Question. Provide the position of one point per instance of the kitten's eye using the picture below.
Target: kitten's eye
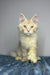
(24, 26)
(32, 26)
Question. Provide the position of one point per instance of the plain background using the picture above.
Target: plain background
(9, 19)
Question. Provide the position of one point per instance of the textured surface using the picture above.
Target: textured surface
(9, 66)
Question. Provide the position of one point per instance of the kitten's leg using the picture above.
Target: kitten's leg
(32, 55)
(19, 54)
(24, 54)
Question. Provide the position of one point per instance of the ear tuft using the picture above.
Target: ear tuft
(22, 17)
(35, 19)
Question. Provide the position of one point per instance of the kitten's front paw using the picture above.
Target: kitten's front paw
(34, 60)
(24, 60)
(18, 58)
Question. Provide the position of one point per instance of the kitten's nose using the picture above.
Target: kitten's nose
(28, 30)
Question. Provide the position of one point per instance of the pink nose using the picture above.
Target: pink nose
(28, 30)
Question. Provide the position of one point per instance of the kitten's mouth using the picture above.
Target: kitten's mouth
(27, 33)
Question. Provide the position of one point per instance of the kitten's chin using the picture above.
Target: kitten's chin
(28, 34)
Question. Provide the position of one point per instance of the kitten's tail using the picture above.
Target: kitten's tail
(12, 53)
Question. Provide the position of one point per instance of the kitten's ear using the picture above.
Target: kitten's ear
(22, 18)
(35, 19)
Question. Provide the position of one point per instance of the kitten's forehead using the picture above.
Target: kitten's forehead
(28, 22)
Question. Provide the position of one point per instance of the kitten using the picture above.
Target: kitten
(28, 39)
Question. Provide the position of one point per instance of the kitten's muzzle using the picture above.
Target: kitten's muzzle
(27, 30)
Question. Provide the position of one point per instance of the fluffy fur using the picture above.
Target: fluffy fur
(28, 39)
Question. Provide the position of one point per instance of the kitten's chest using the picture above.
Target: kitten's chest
(28, 41)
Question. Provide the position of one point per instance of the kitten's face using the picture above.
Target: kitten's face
(28, 26)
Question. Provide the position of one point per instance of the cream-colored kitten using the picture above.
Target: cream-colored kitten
(28, 39)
